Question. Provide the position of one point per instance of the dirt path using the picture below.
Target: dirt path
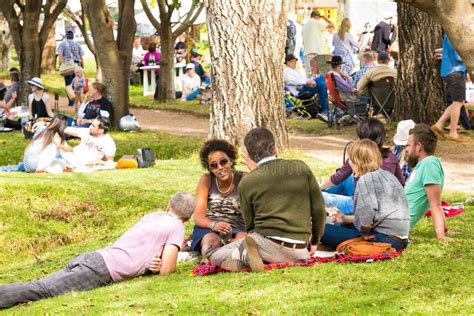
(457, 158)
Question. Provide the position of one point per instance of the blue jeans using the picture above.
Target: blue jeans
(346, 187)
(337, 233)
(321, 90)
(343, 203)
(193, 95)
(13, 168)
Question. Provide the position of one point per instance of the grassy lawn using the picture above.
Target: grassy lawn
(45, 220)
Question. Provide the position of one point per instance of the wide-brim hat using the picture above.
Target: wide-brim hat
(190, 66)
(403, 129)
(335, 61)
(36, 82)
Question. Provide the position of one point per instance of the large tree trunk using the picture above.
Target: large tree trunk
(419, 92)
(114, 56)
(455, 17)
(48, 61)
(166, 90)
(247, 42)
(5, 43)
(28, 36)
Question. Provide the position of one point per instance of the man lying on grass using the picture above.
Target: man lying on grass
(150, 246)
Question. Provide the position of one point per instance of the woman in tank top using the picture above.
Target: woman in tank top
(217, 215)
(37, 100)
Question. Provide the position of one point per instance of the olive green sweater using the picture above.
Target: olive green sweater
(282, 198)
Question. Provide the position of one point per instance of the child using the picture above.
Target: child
(78, 85)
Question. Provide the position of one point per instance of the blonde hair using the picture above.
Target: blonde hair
(78, 68)
(364, 156)
(344, 28)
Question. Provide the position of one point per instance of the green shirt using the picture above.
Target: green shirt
(428, 171)
(282, 198)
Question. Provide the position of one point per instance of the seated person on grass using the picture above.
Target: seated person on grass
(96, 147)
(339, 188)
(150, 246)
(41, 155)
(294, 80)
(425, 183)
(97, 105)
(281, 205)
(380, 204)
(217, 214)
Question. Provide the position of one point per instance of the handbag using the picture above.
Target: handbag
(145, 158)
(67, 68)
(362, 246)
(70, 92)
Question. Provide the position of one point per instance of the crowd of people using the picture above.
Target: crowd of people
(274, 212)
(376, 54)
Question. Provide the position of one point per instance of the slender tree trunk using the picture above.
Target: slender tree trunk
(419, 93)
(114, 55)
(48, 61)
(247, 42)
(167, 71)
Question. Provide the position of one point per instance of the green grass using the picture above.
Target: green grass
(45, 220)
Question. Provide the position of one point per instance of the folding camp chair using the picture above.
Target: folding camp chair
(382, 93)
(356, 111)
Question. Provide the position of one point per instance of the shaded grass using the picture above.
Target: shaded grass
(45, 220)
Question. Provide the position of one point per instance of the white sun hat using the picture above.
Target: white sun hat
(403, 127)
(35, 81)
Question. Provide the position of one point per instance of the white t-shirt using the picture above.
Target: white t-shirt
(190, 84)
(313, 36)
(293, 79)
(92, 149)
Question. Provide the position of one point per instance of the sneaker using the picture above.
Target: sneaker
(252, 258)
(233, 265)
(324, 117)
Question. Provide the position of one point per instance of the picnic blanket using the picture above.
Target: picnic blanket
(449, 211)
(208, 268)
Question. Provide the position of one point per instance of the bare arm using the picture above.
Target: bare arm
(329, 22)
(47, 105)
(72, 131)
(326, 184)
(168, 259)
(433, 193)
(60, 58)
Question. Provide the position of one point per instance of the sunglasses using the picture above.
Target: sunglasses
(221, 163)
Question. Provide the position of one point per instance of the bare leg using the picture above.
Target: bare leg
(210, 242)
(455, 112)
(238, 236)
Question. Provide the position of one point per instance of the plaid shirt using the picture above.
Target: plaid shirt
(70, 50)
(361, 72)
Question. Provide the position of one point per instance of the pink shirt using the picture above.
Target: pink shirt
(129, 256)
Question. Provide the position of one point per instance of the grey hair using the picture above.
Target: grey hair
(183, 204)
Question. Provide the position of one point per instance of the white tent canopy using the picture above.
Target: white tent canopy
(372, 11)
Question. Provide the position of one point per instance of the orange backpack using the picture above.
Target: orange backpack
(362, 246)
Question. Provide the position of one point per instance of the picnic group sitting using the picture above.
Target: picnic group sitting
(272, 214)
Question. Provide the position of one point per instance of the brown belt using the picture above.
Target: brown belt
(289, 244)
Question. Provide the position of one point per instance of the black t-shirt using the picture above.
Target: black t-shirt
(94, 107)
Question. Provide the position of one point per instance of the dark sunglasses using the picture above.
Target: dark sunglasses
(222, 163)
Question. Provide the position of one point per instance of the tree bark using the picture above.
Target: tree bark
(29, 38)
(455, 17)
(247, 45)
(114, 55)
(166, 89)
(48, 59)
(419, 92)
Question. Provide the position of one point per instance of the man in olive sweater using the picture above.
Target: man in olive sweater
(282, 207)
